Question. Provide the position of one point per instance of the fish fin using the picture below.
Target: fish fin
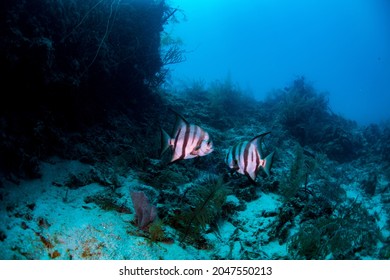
(173, 161)
(260, 136)
(179, 116)
(268, 163)
(258, 143)
(165, 138)
(235, 166)
(251, 177)
(180, 121)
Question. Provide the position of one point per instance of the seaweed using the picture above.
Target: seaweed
(205, 206)
(369, 184)
(306, 243)
(384, 253)
(73, 63)
(349, 233)
(305, 114)
(303, 165)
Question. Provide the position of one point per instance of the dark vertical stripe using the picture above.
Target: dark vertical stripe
(236, 152)
(233, 151)
(227, 156)
(246, 155)
(195, 135)
(257, 162)
(176, 139)
(185, 141)
(242, 154)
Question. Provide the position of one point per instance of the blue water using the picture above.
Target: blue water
(341, 47)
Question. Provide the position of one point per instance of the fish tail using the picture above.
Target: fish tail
(268, 163)
(165, 138)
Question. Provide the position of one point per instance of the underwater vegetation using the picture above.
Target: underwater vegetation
(67, 65)
(90, 74)
(203, 207)
(306, 115)
(349, 231)
(145, 212)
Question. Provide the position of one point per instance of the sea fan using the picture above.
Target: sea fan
(145, 212)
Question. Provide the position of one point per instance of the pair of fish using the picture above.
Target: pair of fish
(190, 141)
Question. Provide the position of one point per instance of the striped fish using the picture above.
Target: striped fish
(246, 158)
(188, 140)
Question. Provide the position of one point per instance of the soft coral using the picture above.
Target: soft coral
(145, 212)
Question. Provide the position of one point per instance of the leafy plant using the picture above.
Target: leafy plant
(90, 57)
(306, 243)
(305, 114)
(204, 206)
(349, 233)
(302, 166)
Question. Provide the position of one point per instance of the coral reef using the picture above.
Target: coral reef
(68, 65)
(70, 178)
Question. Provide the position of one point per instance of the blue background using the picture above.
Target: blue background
(340, 46)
